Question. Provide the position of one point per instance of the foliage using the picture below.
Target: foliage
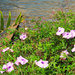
(19, 19)
(2, 21)
(9, 20)
(43, 43)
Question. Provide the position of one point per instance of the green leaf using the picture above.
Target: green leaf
(21, 19)
(9, 20)
(2, 21)
(18, 18)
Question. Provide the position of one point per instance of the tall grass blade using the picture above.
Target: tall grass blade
(2, 21)
(9, 19)
(21, 19)
(18, 18)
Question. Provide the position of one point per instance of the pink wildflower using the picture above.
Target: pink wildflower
(4, 67)
(67, 35)
(60, 31)
(73, 49)
(23, 36)
(41, 63)
(21, 60)
(64, 54)
(6, 49)
(1, 72)
(8, 66)
(26, 28)
(11, 50)
(62, 57)
(73, 33)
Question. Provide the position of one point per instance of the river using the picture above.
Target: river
(33, 8)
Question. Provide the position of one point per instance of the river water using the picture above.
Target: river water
(33, 8)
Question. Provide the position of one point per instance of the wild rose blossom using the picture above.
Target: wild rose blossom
(23, 36)
(64, 54)
(21, 60)
(67, 35)
(60, 31)
(73, 49)
(41, 63)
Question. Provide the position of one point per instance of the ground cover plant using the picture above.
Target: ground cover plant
(47, 49)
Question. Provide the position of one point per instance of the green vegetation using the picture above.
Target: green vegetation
(42, 43)
(9, 20)
(2, 21)
(17, 21)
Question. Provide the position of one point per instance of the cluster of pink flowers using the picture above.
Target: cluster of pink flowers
(65, 53)
(9, 67)
(20, 60)
(66, 35)
(23, 36)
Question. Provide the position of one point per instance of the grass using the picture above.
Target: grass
(42, 43)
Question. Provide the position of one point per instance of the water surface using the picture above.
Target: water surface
(34, 8)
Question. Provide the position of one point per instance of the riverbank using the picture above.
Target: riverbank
(47, 49)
